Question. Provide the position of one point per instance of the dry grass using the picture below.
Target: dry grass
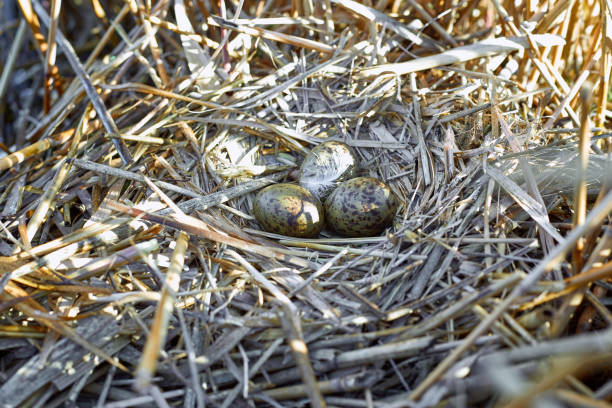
(136, 134)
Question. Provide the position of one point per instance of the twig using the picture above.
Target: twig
(157, 336)
(105, 117)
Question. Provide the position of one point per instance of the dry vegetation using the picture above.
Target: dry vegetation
(135, 135)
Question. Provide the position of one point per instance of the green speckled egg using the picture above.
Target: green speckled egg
(289, 209)
(326, 166)
(361, 207)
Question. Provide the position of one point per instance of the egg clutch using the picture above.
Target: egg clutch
(354, 206)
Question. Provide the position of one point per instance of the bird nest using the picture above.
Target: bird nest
(135, 136)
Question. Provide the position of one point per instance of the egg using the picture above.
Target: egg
(327, 165)
(289, 209)
(361, 207)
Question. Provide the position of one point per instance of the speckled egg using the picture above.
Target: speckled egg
(361, 207)
(289, 209)
(326, 166)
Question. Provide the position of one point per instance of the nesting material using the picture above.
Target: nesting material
(135, 138)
